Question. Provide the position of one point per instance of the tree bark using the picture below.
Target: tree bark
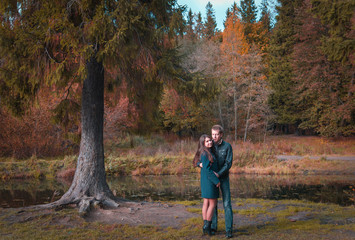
(220, 111)
(89, 185)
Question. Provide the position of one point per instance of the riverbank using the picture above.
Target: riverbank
(279, 155)
(175, 165)
(253, 219)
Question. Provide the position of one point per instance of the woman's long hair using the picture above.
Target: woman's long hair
(202, 148)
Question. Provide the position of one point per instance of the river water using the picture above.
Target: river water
(327, 189)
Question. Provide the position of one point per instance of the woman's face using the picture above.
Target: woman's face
(208, 142)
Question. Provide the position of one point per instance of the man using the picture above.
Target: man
(224, 156)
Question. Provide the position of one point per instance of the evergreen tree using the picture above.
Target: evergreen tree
(282, 98)
(311, 81)
(339, 45)
(265, 16)
(210, 23)
(199, 29)
(190, 34)
(323, 69)
(63, 43)
(248, 12)
(263, 27)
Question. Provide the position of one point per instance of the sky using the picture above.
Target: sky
(220, 7)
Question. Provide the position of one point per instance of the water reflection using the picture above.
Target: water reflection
(329, 189)
(21, 193)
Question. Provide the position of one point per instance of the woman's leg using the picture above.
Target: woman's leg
(205, 208)
(210, 210)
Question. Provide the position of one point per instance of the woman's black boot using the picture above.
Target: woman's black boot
(204, 229)
(209, 232)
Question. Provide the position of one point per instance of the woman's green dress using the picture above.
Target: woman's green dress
(208, 179)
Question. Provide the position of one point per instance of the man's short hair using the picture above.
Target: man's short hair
(218, 128)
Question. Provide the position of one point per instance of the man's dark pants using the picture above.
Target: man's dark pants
(227, 204)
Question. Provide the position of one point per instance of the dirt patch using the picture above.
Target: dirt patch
(143, 213)
(131, 213)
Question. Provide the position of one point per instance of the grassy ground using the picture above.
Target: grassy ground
(253, 219)
(158, 156)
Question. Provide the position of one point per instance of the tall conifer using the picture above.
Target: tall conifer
(265, 16)
(280, 70)
(210, 24)
(190, 34)
(248, 12)
(73, 42)
(199, 29)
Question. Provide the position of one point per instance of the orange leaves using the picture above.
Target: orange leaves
(119, 118)
(172, 103)
(35, 134)
(180, 113)
(234, 41)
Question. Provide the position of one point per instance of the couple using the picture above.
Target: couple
(215, 159)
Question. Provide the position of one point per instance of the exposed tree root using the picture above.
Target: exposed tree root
(83, 203)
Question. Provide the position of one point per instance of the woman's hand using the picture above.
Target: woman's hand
(200, 165)
(216, 174)
(218, 184)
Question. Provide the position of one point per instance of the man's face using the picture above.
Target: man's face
(216, 136)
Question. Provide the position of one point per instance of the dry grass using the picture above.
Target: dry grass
(311, 145)
(157, 155)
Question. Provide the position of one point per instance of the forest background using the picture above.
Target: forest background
(266, 73)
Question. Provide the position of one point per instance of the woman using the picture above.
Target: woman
(209, 181)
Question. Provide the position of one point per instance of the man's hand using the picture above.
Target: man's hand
(216, 174)
(218, 184)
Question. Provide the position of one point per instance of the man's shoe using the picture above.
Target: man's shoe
(213, 231)
(229, 234)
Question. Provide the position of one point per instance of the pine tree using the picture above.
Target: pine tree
(199, 29)
(282, 98)
(265, 16)
(311, 80)
(210, 23)
(323, 75)
(61, 43)
(190, 34)
(248, 12)
(339, 45)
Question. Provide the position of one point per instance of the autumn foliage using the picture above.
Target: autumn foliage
(290, 73)
(35, 133)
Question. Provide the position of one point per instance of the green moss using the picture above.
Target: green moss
(194, 210)
(290, 211)
(253, 211)
(187, 202)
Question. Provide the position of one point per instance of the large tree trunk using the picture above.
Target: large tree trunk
(89, 184)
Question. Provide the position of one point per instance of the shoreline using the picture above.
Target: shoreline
(178, 165)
